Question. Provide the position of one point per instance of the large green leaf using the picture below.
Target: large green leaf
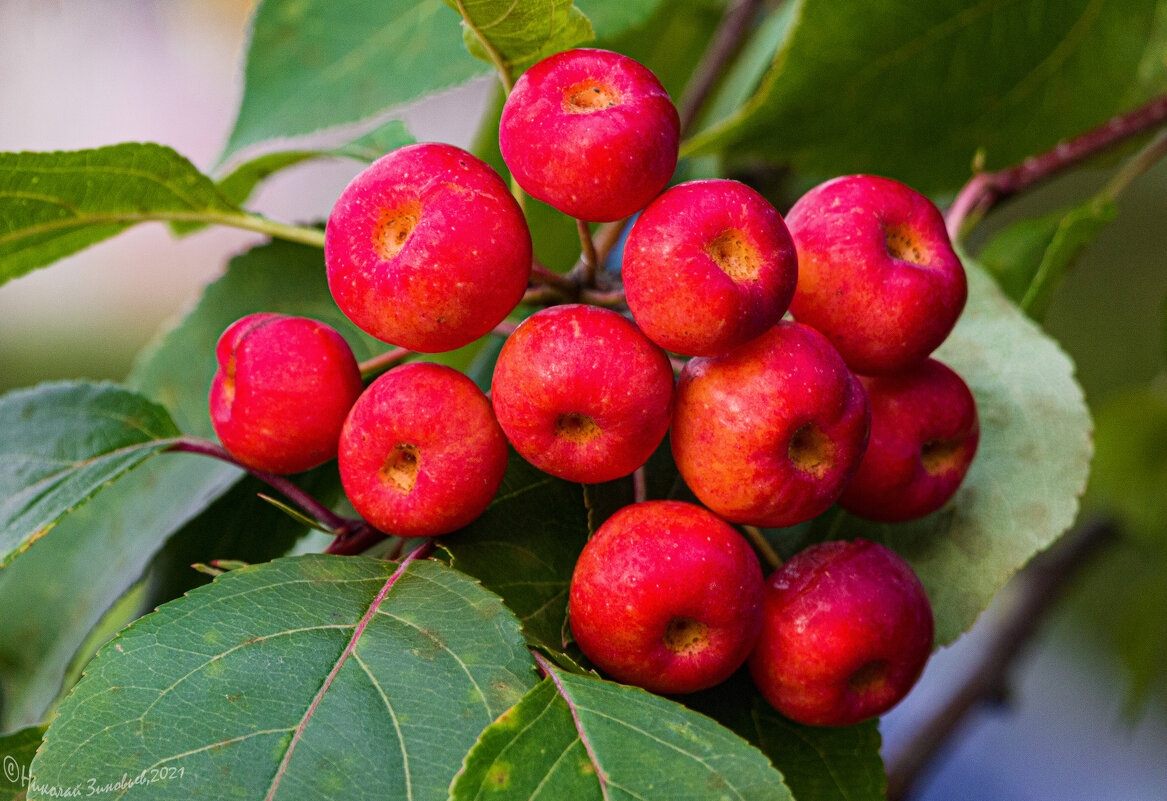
(914, 89)
(580, 737)
(520, 32)
(1022, 490)
(17, 750)
(311, 677)
(524, 547)
(54, 204)
(60, 444)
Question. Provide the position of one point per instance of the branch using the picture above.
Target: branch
(1040, 584)
(381, 363)
(732, 29)
(986, 189)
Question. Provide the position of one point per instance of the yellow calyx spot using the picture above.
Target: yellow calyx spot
(576, 427)
(902, 245)
(589, 96)
(734, 256)
(811, 451)
(394, 228)
(684, 635)
(870, 676)
(400, 469)
(940, 455)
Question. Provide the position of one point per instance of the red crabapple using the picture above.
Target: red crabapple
(924, 433)
(426, 249)
(708, 266)
(590, 132)
(846, 631)
(876, 271)
(281, 391)
(770, 433)
(582, 394)
(666, 596)
(421, 453)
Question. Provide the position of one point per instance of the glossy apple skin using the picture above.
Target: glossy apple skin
(708, 266)
(281, 391)
(427, 249)
(770, 433)
(591, 133)
(924, 435)
(846, 631)
(582, 394)
(421, 453)
(882, 312)
(666, 596)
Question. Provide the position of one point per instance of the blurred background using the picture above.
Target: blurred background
(85, 74)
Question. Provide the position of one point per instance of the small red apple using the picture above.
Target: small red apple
(666, 596)
(770, 433)
(426, 249)
(708, 266)
(590, 132)
(582, 394)
(281, 392)
(924, 434)
(421, 453)
(876, 271)
(847, 629)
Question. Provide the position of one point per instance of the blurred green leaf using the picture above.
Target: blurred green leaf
(18, 749)
(520, 32)
(913, 89)
(613, 17)
(580, 737)
(60, 444)
(329, 677)
(54, 204)
(1021, 492)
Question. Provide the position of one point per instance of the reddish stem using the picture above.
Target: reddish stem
(378, 364)
(986, 189)
(588, 256)
(732, 29)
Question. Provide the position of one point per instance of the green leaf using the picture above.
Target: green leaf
(1030, 257)
(60, 444)
(517, 33)
(613, 17)
(17, 750)
(913, 89)
(325, 677)
(1022, 490)
(54, 204)
(582, 738)
(524, 548)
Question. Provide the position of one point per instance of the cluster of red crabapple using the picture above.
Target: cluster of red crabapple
(771, 421)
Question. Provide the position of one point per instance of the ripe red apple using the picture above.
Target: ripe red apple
(708, 266)
(590, 132)
(846, 631)
(582, 394)
(770, 433)
(876, 271)
(281, 391)
(426, 249)
(666, 596)
(421, 453)
(924, 434)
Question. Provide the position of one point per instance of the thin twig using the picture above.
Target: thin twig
(588, 257)
(732, 29)
(986, 189)
(541, 275)
(381, 363)
(1145, 159)
(759, 541)
(355, 540)
(1040, 584)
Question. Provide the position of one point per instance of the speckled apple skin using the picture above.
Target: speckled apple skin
(461, 451)
(926, 404)
(581, 359)
(281, 391)
(598, 166)
(653, 562)
(464, 266)
(679, 296)
(882, 313)
(735, 416)
(828, 612)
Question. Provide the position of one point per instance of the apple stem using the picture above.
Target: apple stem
(541, 275)
(986, 189)
(763, 546)
(373, 367)
(735, 24)
(314, 509)
(588, 256)
(639, 485)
